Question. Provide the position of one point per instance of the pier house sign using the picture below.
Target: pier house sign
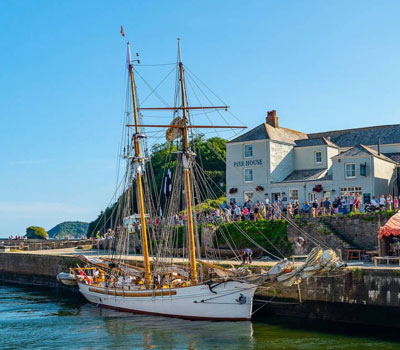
(247, 162)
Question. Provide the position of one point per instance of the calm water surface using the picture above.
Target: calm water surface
(37, 319)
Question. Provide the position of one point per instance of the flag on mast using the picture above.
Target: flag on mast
(128, 56)
(168, 184)
(122, 31)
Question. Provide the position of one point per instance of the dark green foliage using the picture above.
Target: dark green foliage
(274, 230)
(36, 232)
(68, 229)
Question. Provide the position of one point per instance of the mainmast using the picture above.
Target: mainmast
(186, 155)
(138, 162)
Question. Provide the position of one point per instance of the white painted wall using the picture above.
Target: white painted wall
(304, 157)
(236, 163)
(281, 162)
(384, 174)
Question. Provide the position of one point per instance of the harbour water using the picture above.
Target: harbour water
(32, 318)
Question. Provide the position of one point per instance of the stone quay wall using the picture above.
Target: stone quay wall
(42, 244)
(35, 269)
(338, 232)
(364, 296)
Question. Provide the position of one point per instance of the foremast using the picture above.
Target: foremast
(187, 154)
(138, 163)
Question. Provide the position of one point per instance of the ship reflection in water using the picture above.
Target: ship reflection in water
(34, 318)
(171, 333)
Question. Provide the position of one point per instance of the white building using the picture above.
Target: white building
(273, 162)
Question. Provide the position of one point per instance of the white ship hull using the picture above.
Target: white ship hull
(231, 301)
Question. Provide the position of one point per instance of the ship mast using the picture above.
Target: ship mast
(186, 165)
(138, 162)
(187, 155)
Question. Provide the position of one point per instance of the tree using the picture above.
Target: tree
(36, 232)
(210, 155)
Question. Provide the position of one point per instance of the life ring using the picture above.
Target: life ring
(300, 241)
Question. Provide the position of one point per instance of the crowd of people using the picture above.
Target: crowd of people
(255, 211)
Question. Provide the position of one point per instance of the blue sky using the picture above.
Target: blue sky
(322, 65)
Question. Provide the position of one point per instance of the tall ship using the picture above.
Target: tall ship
(176, 276)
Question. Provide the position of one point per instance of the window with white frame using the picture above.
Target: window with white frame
(294, 195)
(312, 197)
(318, 157)
(248, 195)
(248, 151)
(347, 191)
(248, 175)
(350, 170)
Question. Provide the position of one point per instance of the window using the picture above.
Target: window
(294, 195)
(345, 192)
(350, 170)
(248, 175)
(312, 197)
(248, 196)
(318, 157)
(248, 151)
(363, 169)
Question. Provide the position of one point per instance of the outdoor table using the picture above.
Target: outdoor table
(352, 254)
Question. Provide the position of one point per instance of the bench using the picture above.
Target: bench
(387, 258)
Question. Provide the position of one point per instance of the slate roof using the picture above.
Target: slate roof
(360, 151)
(318, 141)
(393, 156)
(265, 131)
(308, 175)
(364, 136)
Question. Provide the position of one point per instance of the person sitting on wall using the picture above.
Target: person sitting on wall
(246, 256)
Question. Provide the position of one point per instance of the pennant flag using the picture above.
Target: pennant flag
(122, 31)
(167, 184)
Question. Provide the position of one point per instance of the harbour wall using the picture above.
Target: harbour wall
(357, 295)
(368, 296)
(35, 269)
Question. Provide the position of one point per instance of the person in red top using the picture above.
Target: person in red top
(356, 204)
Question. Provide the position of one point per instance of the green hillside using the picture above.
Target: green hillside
(69, 229)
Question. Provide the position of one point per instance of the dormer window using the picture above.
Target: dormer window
(248, 151)
(318, 157)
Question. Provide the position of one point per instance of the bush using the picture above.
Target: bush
(36, 232)
(263, 232)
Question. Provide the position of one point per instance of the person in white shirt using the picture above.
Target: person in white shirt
(351, 201)
(343, 202)
(382, 202)
(389, 201)
(267, 201)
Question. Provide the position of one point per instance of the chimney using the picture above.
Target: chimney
(379, 146)
(272, 119)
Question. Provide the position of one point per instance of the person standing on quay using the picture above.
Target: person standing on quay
(356, 205)
(389, 201)
(315, 208)
(382, 202)
(351, 201)
(327, 206)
